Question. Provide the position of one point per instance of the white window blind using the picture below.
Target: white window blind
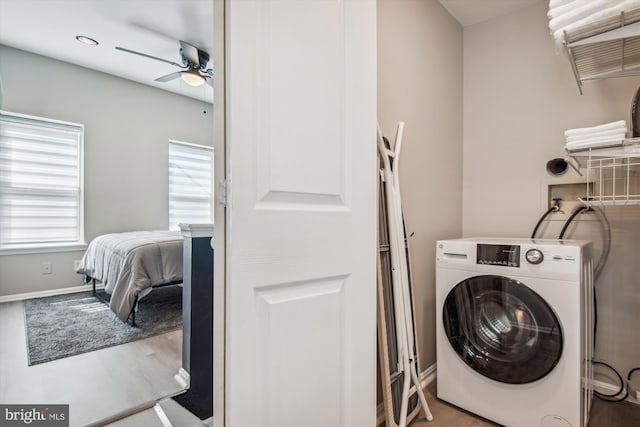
(40, 182)
(190, 176)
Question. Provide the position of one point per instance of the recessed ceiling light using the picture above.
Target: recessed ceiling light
(86, 40)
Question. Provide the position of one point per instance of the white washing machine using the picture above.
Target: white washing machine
(515, 329)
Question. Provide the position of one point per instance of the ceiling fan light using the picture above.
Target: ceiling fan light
(192, 78)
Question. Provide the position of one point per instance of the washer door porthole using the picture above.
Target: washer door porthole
(502, 329)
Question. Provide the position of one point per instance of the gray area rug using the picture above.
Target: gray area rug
(66, 325)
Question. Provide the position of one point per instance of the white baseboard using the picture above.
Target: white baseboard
(426, 377)
(608, 388)
(48, 293)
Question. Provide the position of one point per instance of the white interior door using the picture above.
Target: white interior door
(301, 221)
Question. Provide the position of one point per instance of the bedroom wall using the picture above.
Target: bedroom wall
(420, 82)
(127, 128)
(519, 98)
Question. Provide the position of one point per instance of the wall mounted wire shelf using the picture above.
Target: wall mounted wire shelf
(605, 49)
(613, 173)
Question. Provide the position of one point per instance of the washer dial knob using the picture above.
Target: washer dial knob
(534, 256)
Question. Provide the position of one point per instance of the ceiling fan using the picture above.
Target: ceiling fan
(194, 65)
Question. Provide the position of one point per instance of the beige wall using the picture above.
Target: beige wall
(420, 83)
(127, 128)
(519, 97)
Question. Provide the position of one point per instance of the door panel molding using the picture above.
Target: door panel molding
(307, 321)
(291, 115)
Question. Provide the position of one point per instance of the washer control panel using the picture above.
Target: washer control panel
(556, 259)
(503, 255)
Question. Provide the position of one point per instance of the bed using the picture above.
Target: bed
(129, 264)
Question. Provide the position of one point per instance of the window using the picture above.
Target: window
(40, 183)
(190, 176)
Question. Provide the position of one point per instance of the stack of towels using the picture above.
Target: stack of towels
(577, 15)
(605, 135)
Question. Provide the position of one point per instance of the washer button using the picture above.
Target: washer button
(534, 256)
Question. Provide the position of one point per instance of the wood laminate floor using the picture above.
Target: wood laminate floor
(96, 385)
(603, 414)
(99, 384)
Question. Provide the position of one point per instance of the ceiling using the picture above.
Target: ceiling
(154, 27)
(470, 12)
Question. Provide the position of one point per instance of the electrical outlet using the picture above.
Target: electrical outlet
(47, 268)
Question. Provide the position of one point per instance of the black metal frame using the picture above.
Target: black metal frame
(132, 315)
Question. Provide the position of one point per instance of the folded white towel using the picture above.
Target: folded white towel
(588, 141)
(593, 142)
(615, 133)
(554, 12)
(614, 10)
(600, 128)
(581, 11)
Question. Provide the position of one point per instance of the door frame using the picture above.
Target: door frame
(220, 210)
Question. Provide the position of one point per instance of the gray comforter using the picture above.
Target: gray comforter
(128, 264)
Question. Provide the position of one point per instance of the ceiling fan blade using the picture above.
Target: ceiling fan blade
(149, 56)
(169, 77)
(190, 53)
